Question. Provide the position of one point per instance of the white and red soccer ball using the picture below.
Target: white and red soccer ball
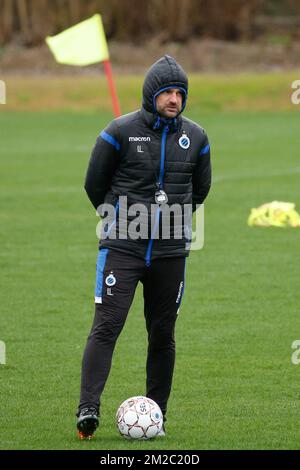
(139, 418)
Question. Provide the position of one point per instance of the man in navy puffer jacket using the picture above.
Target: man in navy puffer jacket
(153, 159)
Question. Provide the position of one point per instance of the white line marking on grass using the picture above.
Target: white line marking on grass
(271, 174)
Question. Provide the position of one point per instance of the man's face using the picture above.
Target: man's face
(169, 102)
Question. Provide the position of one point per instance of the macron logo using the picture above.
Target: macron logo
(139, 139)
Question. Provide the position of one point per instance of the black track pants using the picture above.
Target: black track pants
(117, 277)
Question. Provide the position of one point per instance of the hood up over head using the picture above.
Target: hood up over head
(163, 74)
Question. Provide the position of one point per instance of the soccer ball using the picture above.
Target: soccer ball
(139, 418)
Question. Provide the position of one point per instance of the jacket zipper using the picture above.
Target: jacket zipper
(161, 179)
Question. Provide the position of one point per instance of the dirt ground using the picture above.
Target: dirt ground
(196, 56)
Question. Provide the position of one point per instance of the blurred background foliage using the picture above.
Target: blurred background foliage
(27, 22)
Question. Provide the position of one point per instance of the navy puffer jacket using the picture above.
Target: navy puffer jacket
(140, 151)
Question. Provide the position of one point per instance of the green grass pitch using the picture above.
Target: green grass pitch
(235, 386)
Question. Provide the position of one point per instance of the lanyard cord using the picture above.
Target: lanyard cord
(167, 124)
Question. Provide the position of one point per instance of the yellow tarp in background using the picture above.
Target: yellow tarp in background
(275, 214)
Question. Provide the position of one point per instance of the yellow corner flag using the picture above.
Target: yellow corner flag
(82, 44)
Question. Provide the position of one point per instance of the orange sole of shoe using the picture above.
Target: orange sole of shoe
(83, 436)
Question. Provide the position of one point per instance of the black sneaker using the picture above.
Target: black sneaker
(162, 432)
(87, 422)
